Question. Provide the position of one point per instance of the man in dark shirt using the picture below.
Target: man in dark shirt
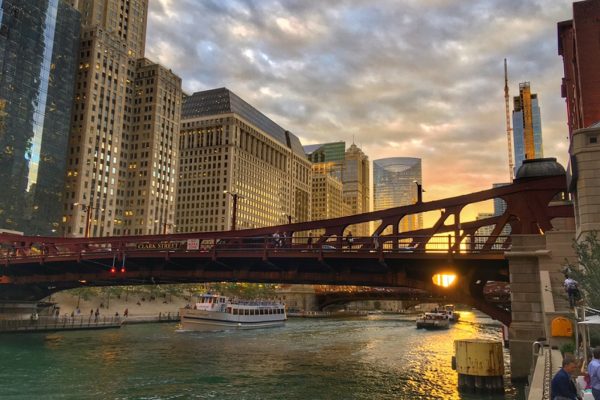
(563, 387)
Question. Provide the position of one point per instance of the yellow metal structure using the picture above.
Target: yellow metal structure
(479, 357)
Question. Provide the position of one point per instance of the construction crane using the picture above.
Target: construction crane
(511, 165)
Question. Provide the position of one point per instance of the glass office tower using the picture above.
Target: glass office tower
(395, 184)
(38, 53)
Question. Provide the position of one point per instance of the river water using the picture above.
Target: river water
(375, 357)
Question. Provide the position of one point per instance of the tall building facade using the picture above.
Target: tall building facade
(527, 126)
(357, 186)
(579, 47)
(231, 151)
(38, 58)
(327, 194)
(327, 189)
(121, 171)
(394, 185)
(125, 19)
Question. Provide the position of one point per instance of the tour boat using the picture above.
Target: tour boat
(449, 309)
(216, 313)
(433, 320)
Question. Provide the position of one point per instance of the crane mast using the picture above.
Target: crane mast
(511, 164)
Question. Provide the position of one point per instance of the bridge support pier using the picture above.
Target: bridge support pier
(537, 294)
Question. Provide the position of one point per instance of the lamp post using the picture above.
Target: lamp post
(164, 225)
(235, 197)
(420, 191)
(88, 214)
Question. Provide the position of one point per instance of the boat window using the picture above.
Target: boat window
(235, 311)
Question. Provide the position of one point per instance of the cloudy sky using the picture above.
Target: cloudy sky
(409, 78)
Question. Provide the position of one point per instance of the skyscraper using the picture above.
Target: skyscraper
(121, 172)
(578, 46)
(527, 126)
(357, 186)
(231, 151)
(394, 185)
(38, 57)
(327, 188)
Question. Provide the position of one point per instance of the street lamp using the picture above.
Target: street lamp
(420, 191)
(164, 225)
(235, 197)
(88, 214)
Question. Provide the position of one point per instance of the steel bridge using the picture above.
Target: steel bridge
(31, 268)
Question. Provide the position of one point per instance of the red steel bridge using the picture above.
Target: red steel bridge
(31, 268)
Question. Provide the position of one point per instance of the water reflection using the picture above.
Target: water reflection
(376, 358)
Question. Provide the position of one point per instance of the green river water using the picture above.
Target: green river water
(375, 357)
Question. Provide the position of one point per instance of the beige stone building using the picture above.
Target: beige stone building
(232, 152)
(124, 130)
(152, 169)
(327, 194)
(357, 186)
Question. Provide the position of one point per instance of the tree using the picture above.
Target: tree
(587, 272)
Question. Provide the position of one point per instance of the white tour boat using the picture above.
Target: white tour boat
(217, 313)
(433, 320)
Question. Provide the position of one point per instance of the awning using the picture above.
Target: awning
(591, 320)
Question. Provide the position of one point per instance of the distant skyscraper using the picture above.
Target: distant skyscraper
(394, 186)
(578, 45)
(122, 165)
(527, 126)
(357, 188)
(327, 189)
(228, 145)
(38, 58)
(329, 155)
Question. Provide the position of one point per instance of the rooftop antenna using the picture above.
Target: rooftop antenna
(511, 165)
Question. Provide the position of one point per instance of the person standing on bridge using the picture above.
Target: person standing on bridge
(350, 240)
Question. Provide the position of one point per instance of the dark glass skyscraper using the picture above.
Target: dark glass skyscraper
(38, 53)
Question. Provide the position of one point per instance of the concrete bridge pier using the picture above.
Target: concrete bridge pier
(537, 295)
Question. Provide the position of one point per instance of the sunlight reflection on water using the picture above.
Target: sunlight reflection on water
(379, 357)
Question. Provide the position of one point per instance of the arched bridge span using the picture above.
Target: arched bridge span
(34, 267)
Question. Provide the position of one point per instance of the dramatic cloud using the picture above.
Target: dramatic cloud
(411, 78)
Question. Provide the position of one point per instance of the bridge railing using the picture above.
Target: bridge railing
(272, 245)
(46, 323)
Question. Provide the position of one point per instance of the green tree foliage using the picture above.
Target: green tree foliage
(587, 272)
(186, 291)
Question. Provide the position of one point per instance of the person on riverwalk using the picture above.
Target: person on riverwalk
(594, 373)
(563, 387)
(572, 289)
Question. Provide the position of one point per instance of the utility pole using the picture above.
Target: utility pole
(511, 165)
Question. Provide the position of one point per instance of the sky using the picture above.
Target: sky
(400, 78)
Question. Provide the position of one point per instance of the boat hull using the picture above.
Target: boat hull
(207, 322)
(431, 325)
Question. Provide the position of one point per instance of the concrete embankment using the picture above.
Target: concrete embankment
(71, 312)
